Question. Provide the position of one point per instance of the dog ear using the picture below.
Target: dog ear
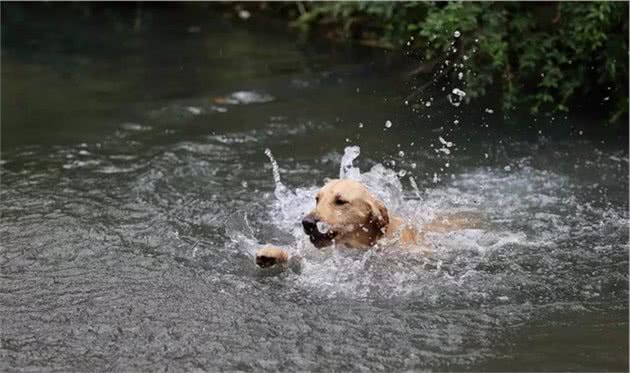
(379, 217)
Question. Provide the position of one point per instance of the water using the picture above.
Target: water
(136, 185)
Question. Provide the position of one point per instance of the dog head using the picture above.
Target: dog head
(346, 213)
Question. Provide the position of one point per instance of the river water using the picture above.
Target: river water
(135, 189)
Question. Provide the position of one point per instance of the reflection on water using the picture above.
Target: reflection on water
(135, 187)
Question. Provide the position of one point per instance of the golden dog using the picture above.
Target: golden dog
(347, 214)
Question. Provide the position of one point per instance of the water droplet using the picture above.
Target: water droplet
(447, 143)
(581, 133)
(244, 184)
(347, 139)
(413, 165)
(459, 92)
(460, 76)
(388, 124)
(507, 168)
(485, 155)
(401, 153)
(428, 103)
(402, 173)
(457, 34)
(436, 179)
(406, 102)
(489, 111)
(456, 97)
(455, 121)
(447, 165)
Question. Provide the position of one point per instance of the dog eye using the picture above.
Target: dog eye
(340, 202)
(317, 199)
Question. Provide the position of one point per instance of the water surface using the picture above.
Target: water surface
(135, 187)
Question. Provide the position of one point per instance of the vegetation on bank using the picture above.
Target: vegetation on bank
(539, 56)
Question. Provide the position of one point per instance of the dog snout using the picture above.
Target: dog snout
(310, 224)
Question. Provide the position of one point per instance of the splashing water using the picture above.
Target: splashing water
(518, 233)
(412, 181)
(347, 171)
(280, 190)
(284, 210)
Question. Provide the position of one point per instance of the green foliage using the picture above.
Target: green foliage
(540, 56)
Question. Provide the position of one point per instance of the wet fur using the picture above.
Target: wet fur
(356, 218)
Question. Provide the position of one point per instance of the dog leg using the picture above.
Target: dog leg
(271, 255)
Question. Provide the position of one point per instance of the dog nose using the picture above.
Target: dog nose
(309, 223)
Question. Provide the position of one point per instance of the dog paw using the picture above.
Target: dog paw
(271, 255)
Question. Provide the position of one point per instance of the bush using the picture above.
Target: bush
(540, 56)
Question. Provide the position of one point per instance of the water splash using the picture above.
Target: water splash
(414, 185)
(289, 206)
(347, 171)
(280, 190)
(518, 214)
(238, 228)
